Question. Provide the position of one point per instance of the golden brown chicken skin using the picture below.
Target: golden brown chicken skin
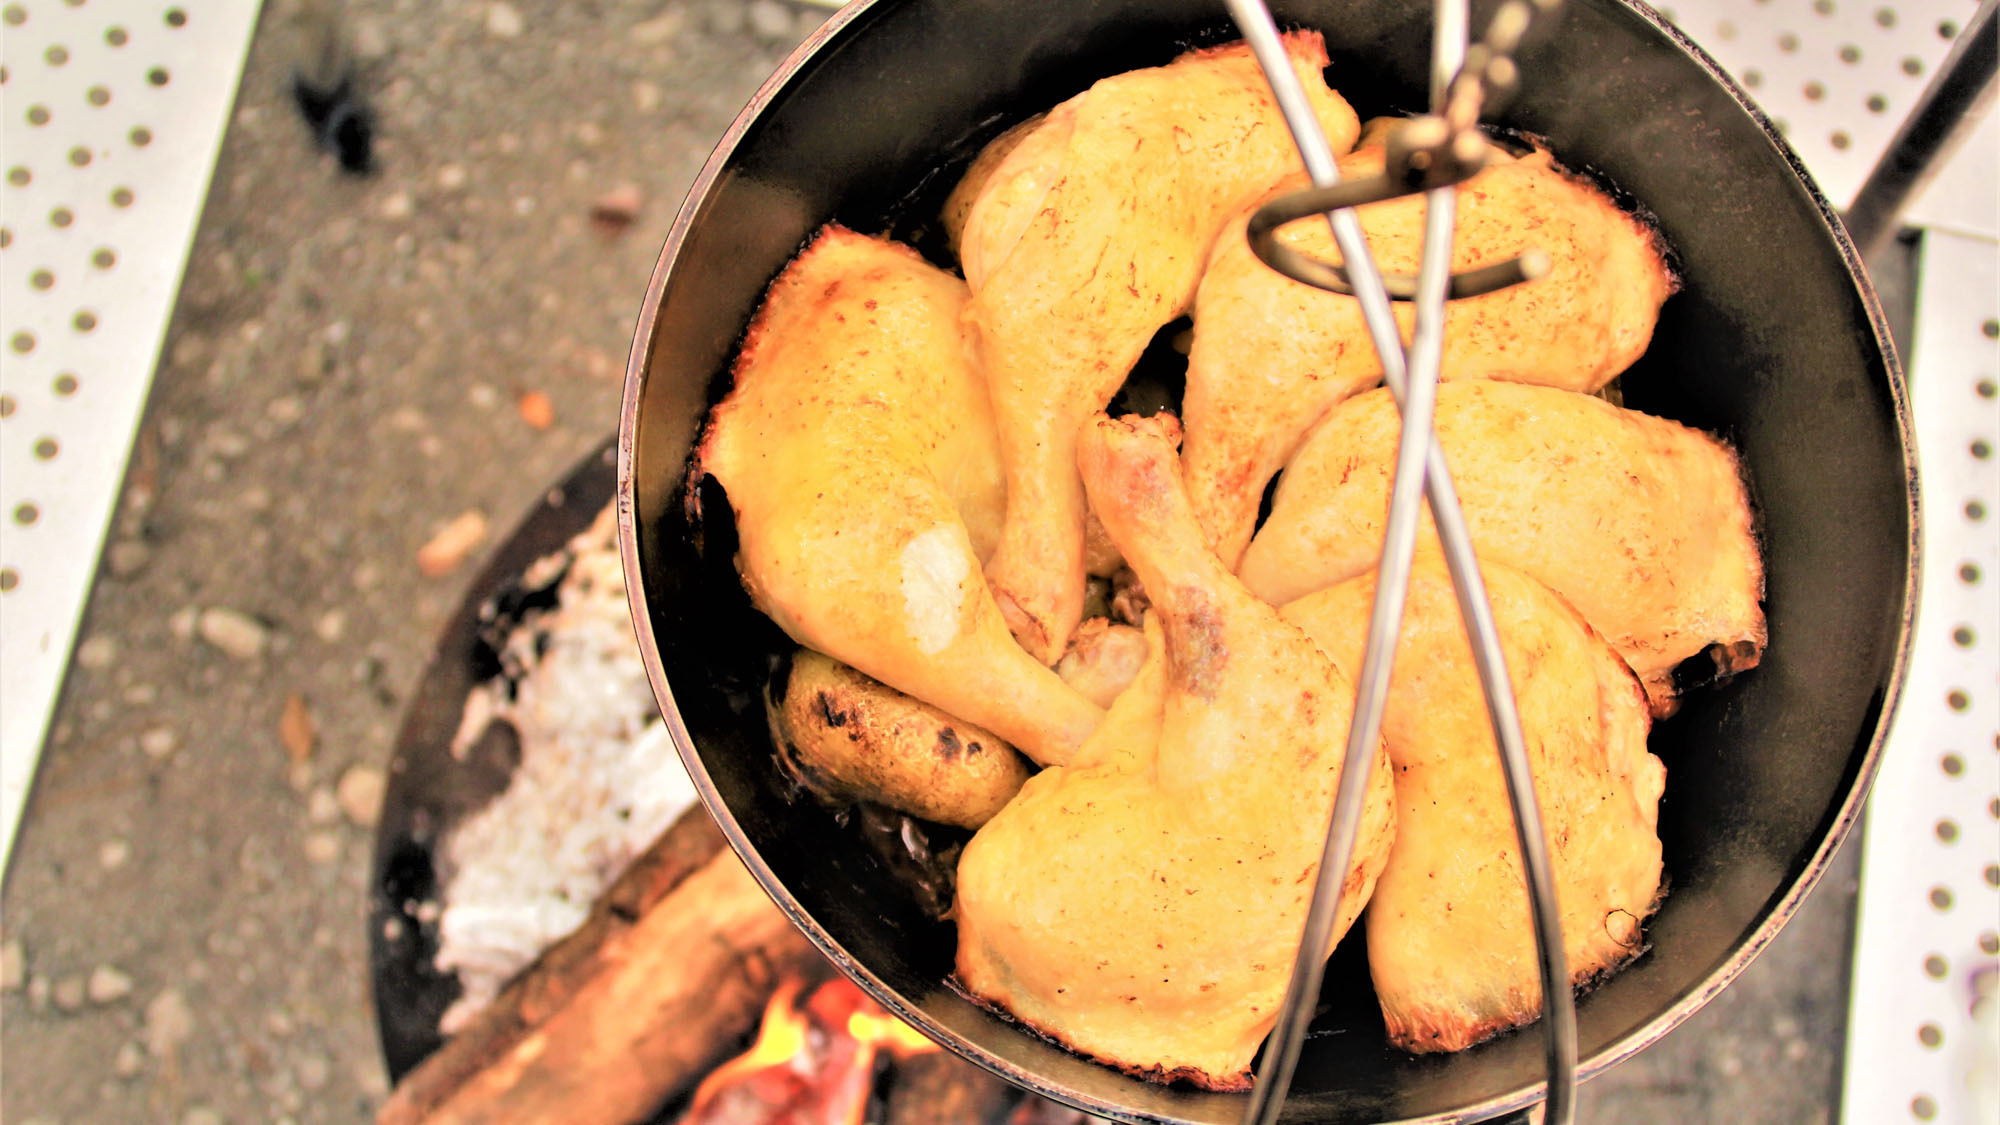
(1450, 944)
(1143, 904)
(1089, 235)
(1272, 355)
(857, 450)
(1640, 523)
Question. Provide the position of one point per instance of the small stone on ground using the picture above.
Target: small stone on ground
(108, 985)
(233, 631)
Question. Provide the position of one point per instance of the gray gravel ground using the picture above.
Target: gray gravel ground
(183, 925)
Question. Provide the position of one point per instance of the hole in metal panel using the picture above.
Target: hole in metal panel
(79, 156)
(1952, 765)
(176, 18)
(1947, 831)
(61, 217)
(121, 197)
(25, 513)
(19, 175)
(141, 136)
(158, 76)
(23, 342)
(9, 578)
(41, 279)
(57, 54)
(103, 258)
(1989, 943)
(1930, 1035)
(38, 115)
(116, 36)
(1957, 700)
(97, 96)
(46, 449)
(1975, 511)
(1941, 898)
(1962, 636)
(1935, 967)
(65, 384)
(84, 321)
(6, 406)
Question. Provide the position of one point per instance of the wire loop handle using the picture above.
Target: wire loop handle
(1437, 150)
(1460, 81)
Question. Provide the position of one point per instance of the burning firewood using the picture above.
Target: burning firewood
(671, 970)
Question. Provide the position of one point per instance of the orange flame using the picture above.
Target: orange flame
(812, 1063)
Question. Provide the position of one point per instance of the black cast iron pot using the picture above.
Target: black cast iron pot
(1776, 342)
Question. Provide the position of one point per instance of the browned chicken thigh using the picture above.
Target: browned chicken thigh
(1087, 236)
(857, 450)
(1640, 523)
(1143, 904)
(1450, 943)
(1271, 355)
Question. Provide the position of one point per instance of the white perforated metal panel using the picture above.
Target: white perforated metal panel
(1929, 929)
(111, 116)
(1839, 76)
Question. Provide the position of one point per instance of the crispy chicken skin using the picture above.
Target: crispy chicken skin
(1450, 944)
(1640, 523)
(1089, 234)
(857, 450)
(1271, 355)
(1143, 904)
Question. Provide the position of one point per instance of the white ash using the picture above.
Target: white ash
(597, 782)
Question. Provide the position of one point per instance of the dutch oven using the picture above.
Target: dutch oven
(1775, 342)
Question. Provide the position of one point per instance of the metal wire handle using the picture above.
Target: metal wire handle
(1420, 465)
(1437, 150)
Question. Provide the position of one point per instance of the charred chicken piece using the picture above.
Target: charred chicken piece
(852, 738)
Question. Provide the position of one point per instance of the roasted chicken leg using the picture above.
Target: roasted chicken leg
(1450, 943)
(1089, 234)
(1271, 355)
(1143, 904)
(1640, 523)
(857, 450)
